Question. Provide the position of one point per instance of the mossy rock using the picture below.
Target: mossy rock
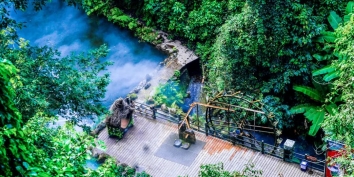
(102, 158)
(133, 96)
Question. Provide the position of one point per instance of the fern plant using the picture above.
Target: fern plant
(317, 111)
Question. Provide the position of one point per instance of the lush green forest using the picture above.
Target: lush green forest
(295, 56)
(36, 84)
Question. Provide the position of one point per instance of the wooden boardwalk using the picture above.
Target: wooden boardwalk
(139, 145)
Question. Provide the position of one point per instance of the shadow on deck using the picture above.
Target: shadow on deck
(142, 144)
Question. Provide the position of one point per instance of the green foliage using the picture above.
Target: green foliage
(96, 6)
(218, 170)
(316, 116)
(214, 170)
(256, 49)
(109, 168)
(147, 34)
(123, 20)
(311, 92)
(63, 150)
(349, 11)
(315, 113)
(46, 81)
(339, 126)
(9, 113)
(133, 96)
(334, 19)
(176, 74)
(204, 21)
(350, 7)
(280, 111)
(194, 20)
(177, 17)
(115, 132)
(143, 174)
(117, 16)
(301, 108)
(324, 70)
(328, 38)
(169, 93)
(36, 148)
(12, 146)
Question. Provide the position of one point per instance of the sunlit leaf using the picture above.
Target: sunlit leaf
(334, 19)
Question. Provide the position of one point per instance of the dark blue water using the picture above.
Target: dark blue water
(69, 29)
(194, 88)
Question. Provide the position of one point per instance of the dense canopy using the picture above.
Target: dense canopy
(295, 56)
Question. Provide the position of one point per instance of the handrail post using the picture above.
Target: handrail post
(262, 146)
(153, 112)
(324, 165)
(197, 118)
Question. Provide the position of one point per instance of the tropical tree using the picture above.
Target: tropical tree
(33, 147)
(339, 126)
(40, 84)
(12, 144)
(328, 38)
(48, 81)
(314, 112)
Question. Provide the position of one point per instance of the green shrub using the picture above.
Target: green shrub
(170, 93)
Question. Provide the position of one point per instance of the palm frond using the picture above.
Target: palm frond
(311, 92)
(349, 9)
(334, 19)
(318, 57)
(331, 108)
(347, 17)
(316, 116)
(302, 108)
(324, 70)
(326, 36)
(311, 113)
(330, 76)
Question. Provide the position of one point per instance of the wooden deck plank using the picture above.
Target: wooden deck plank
(141, 142)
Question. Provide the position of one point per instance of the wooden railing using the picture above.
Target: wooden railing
(251, 143)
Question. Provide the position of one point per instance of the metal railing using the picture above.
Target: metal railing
(251, 143)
